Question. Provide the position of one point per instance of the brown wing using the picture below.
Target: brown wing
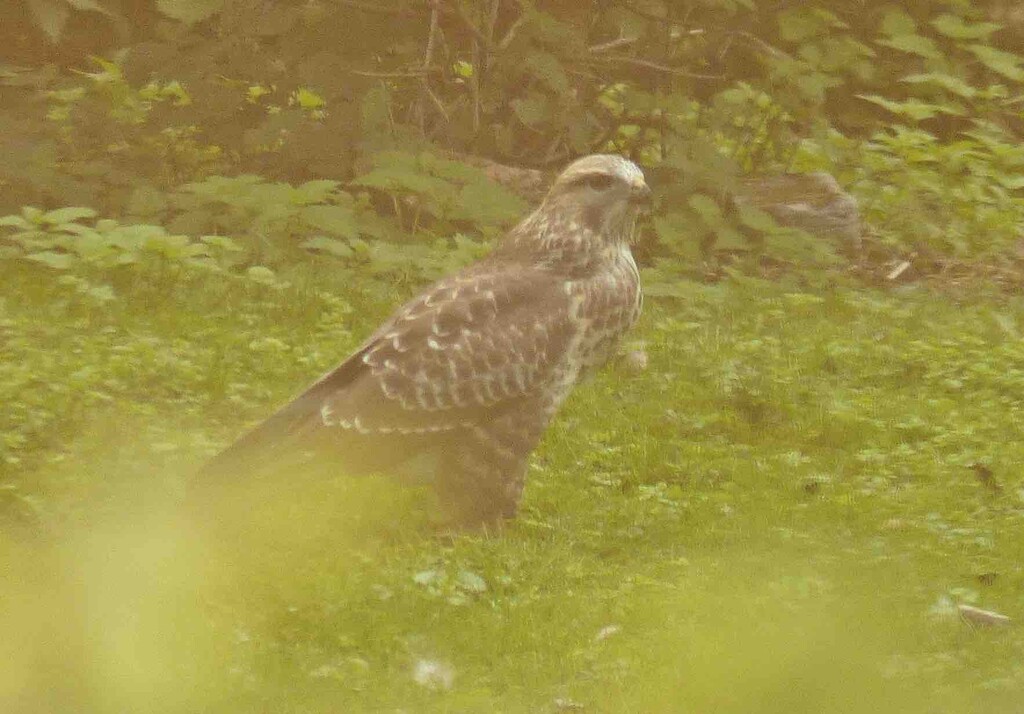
(468, 350)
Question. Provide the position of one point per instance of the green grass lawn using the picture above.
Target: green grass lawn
(780, 514)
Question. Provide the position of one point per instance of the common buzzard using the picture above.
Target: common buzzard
(463, 379)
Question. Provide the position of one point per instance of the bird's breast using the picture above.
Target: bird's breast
(609, 304)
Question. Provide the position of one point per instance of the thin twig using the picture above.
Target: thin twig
(485, 61)
(511, 33)
(759, 43)
(474, 87)
(612, 44)
(400, 74)
(437, 101)
(478, 35)
(552, 149)
(492, 20)
(428, 57)
(665, 69)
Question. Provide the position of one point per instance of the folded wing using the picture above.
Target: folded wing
(469, 352)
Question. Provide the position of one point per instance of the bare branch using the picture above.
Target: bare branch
(437, 101)
(759, 43)
(492, 19)
(428, 56)
(398, 74)
(474, 86)
(456, 9)
(511, 33)
(654, 66)
(612, 44)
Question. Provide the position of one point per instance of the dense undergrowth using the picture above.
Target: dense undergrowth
(782, 512)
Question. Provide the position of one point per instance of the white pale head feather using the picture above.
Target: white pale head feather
(594, 202)
(610, 164)
(608, 208)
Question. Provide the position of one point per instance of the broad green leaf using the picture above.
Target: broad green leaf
(317, 191)
(308, 99)
(399, 179)
(1004, 63)
(756, 218)
(189, 11)
(531, 110)
(222, 242)
(947, 81)
(256, 91)
(66, 215)
(336, 220)
(170, 246)
(911, 108)
(955, 27)
(898, 22)
(1013, 183)
(92, 246)
(76, 229)
(548, 69)
(913, 44)
(57, 261)
(728, 238)
(332, 246)
(488, 204)
(261, 274)
(176, 91)
(16, 222)
(814, 85)
(141, 232)
(706, 208)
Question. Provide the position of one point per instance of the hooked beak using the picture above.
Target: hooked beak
(640, 194)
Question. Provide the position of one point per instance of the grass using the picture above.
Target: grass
(779, 514)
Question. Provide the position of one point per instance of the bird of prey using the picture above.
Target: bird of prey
(464, 378)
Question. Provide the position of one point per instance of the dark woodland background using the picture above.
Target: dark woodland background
(133, 109)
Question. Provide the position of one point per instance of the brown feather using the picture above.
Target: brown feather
(474, 368)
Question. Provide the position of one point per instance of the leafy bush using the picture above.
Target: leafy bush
(900, 102)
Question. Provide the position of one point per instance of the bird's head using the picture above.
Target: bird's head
(604, 192)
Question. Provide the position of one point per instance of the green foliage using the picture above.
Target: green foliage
(425, 189)
(236, 227)
(79, 254)
(943, 203)
(374, 105)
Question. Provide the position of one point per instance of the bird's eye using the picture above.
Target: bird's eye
(598, 182)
